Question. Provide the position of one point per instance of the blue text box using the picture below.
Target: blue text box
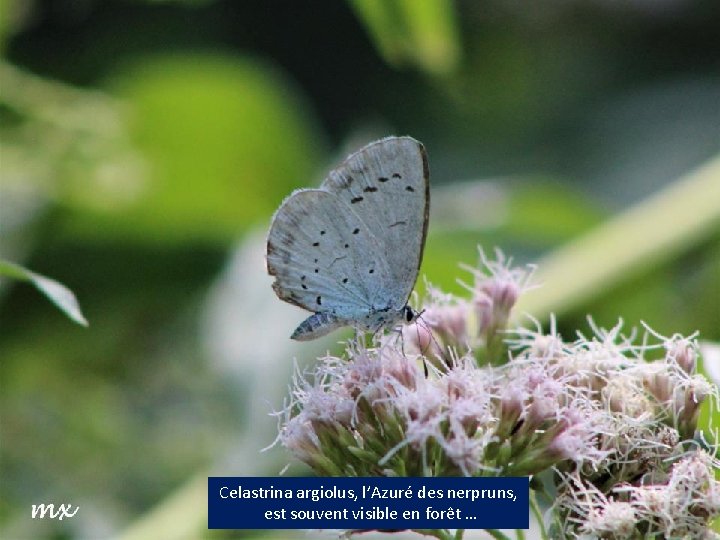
(367, 503)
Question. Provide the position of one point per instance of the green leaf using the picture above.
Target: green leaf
(55, 291)
(407, 31)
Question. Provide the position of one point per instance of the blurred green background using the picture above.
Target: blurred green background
(146, 143)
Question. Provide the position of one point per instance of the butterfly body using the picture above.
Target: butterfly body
(350, 251)
(322, 323)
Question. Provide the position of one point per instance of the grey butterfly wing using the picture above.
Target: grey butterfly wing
(387, 185)
(320, 252)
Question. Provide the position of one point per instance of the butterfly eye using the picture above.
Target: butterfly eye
(409, 314)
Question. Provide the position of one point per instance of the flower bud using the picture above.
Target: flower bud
(683, 352)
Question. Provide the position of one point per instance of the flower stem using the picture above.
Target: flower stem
(538, 515)
(497, 534)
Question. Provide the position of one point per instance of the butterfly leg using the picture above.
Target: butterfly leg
(399, 331)
(426, 372)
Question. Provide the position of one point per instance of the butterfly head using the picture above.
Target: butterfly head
(410, 315)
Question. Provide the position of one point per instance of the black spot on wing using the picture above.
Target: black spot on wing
(396, 175)
(356, 231)
(410, 189)
(356, 199)
(316, 244)
(383, 179)
(319, 300)
(370, 189)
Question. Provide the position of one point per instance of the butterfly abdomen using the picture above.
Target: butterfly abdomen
(317, 325)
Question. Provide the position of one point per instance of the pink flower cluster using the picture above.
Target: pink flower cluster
(458, 393)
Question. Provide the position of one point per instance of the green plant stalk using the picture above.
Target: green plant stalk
(440, 534)
(497, 534)
(535, 508)
(668, 223)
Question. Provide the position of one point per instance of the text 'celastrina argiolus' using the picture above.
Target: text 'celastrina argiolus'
(350, 251)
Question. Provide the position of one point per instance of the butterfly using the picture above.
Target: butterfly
(350, 251)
